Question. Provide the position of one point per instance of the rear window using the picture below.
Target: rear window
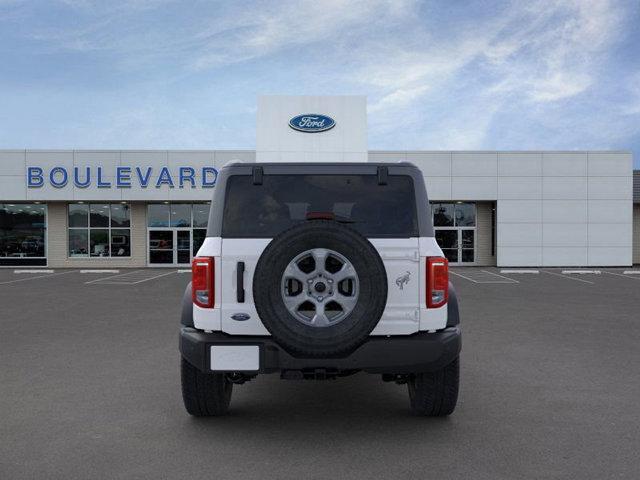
(281, 201)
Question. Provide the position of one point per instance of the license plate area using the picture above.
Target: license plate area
(235, 358)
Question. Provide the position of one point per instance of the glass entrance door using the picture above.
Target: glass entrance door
(457, 244)
(455, 229)
(448, 241)
(169, 247)
(183, 247)
(161, 247)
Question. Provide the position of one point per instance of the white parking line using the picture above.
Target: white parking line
(511, 280)
(33, 271)
(519, 271)
(623, 276)
(567, 277)
(105, 278)
(581, 272)
(153, 278)
(99, 271)
(184, 270)
(34, 278)
(631, 272)
(129, 278)
(466, 278)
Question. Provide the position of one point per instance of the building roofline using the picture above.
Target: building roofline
(245, 150)
(501, 151)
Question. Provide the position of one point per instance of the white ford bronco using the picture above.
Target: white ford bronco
(318, 271)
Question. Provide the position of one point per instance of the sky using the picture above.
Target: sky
(477, 75)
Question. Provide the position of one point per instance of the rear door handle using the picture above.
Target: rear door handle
(240, 282)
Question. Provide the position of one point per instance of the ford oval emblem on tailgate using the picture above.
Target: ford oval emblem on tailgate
(240, 317)
(312, 123)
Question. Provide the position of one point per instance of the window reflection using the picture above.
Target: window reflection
(91, 234)
(465, 214)
(158, 215)
(467, 238)
(78, 215)
(99, 242)
(120, 242)
(120, 215)
(78, 243)
(22, 231)
(201, 214)
(442, 214)
(176, 231)
(99, 215)
(199, 234)
(454, 225)
(180, 215)
(447, 238)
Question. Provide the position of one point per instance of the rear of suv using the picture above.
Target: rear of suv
(318, 271)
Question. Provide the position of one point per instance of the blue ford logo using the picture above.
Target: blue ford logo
(312, 123)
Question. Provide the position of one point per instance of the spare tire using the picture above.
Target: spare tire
(320, 288)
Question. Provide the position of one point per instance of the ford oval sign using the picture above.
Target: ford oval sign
(312, 123)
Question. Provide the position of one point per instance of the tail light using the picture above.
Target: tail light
(437, 281)
(202, 282)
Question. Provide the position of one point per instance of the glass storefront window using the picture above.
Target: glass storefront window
(199, 234)
(158, 215)
(201, 215)
(22, 234)
(465, 214)
(120, 216)
(120, 242)
(442, 214)
(78, 242)
(181, 215)
(78, 215)
(176, 231)
(99, 242)
(454, 225)
(99, 215)
(91, 234)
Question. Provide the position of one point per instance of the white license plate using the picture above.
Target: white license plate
(235, 358)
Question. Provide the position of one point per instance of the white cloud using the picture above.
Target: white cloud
(255, 33)
(559, 86)
(433, 80)
(535, 53)
(399, 98)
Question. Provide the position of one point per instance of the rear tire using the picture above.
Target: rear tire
(204, 394)
(435, 394)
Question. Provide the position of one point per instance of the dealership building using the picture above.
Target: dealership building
(139, 208)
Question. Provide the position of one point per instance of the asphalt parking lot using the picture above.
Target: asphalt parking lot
(89, 388)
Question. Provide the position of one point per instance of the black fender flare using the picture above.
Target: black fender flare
(186, 318)
(453, 311)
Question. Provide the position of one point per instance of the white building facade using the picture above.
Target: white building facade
(123, 208)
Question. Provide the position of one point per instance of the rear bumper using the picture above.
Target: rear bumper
(420, 352)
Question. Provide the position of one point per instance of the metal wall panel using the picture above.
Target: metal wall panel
(636, 233)
(563, 194)
(277, 141)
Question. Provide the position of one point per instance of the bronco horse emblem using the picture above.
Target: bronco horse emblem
(402, 280)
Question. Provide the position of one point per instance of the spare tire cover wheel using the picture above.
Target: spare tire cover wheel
(320, 288)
